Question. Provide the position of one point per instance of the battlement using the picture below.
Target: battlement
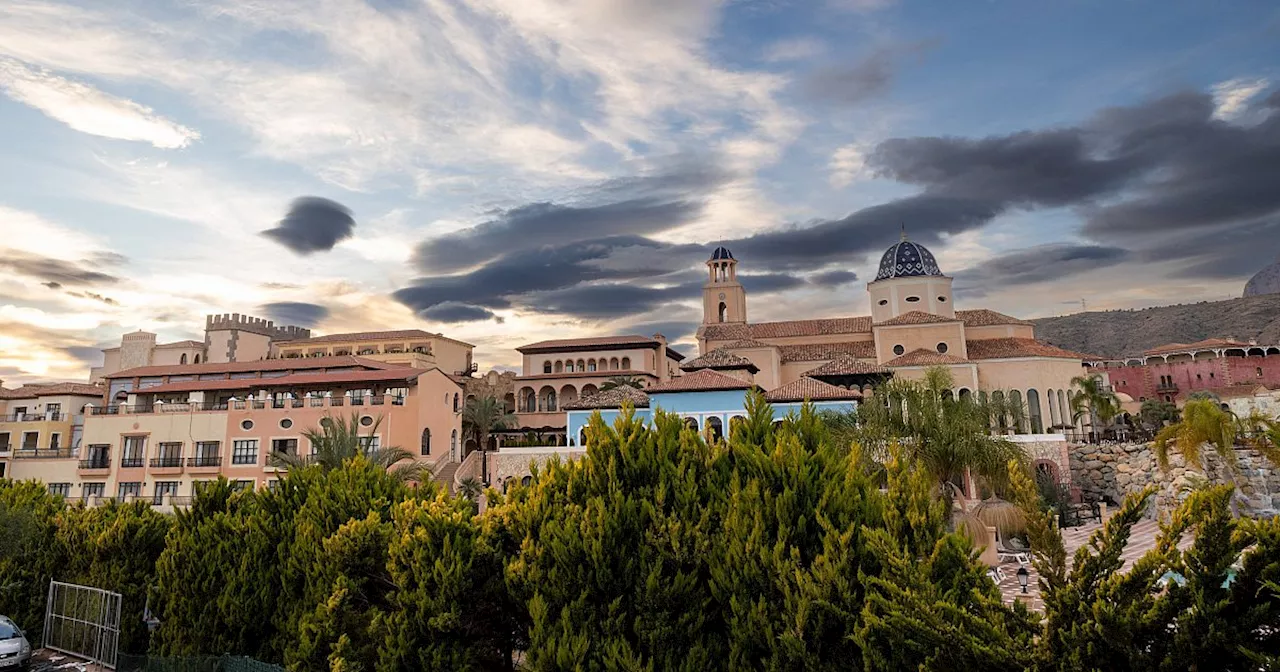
(254, 325)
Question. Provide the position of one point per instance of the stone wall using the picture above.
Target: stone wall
(1111, 471)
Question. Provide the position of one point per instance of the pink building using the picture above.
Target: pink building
(1175, 371)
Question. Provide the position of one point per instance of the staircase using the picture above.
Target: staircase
(444, 475)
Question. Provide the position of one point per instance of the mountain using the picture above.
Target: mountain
(1117, 333)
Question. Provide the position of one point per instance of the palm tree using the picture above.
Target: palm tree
(338, 440)
(1156, 412)
(1096, 400)
(620, 381)
(947, 436)
(1205, 423)
(480, 417)
(470, 488)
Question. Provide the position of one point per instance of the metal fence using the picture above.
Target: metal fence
(130, 663)
(83, 621)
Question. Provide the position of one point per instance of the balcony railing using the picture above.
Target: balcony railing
(95, 463)
(132, 462)
(40, 453)
(1167, 388)
(166, 462)
(31, 417)
(238, 405)
(205, 461)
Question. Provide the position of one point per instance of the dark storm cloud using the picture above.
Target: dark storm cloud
(313, 224)
(52, 285)
(457, 312)
(672, 330)
(1037, 264)
(296, 313)
(57, 271)
(85, 353)
(766, 283)
(833, 278)
(638, 206)
(94, 296)
(857, 82)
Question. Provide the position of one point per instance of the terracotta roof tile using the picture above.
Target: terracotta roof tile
(611, 398)
(1004, 348)
(924, 357)
(399, 334)
(1206, 343)
(808, 389)
(182, 344)
(1239, 390)
(609, 373)
(764, 330)
(295, 380)
(817, 352)
(915, 317)
(34, 390)
(845, 365)
(722, 359)
(703, 380)
(748, 343)
(987, 318)
(294, 364)
(597, 343)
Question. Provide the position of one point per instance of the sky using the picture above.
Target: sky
(505, 171)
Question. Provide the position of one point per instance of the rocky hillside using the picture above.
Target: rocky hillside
(1126, 332)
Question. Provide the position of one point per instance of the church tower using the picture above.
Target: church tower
(724, 301)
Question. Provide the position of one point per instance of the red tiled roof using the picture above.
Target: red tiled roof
(1239, 390)
(34, 390)
(182, 344)
(394, 335)
(295, 380)
(915, 317)
(748, 343)
(720, 358)
(1004, 348)
(611, 398)
(924, 357)
(987, 318)
(586, 374)
(596, 343)
(817, 352)
(846, 365)
(704, 380)
(808, 389)
(295, 364)
(762, 330)
(1206, 343)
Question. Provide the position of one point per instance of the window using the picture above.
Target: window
(197, 358)
(526, 481)
(568, 367)
(898, 349)
(559, 367)
(453, 444)
(546, 367)
(626, 363)
(55, 441)
(60, 489)
(942, 299)
(244, 452)
(426, 441)
(53, 411)
(1197, 376)
(246, 425)
(168, 455)
(183, 359)
(91, 490)
(128, 490)
(366, 421)
(913, 299)
(134, 452)
(207, 454)
(29, 440)
(1259, 370)
(1210, 375)
(286, 446)
(286, 423)
(455, 402)
(591, 365)
(244, 484)
(884, 302)
(723, 309)
(165, 490)
(4, 441)
(370, 444)
(942, 348)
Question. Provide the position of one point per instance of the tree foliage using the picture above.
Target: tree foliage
(338, 439)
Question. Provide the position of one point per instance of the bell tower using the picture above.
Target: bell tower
(724, 301)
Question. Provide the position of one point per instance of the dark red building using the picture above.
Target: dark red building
(1172, 372)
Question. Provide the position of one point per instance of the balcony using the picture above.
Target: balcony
(132, 462)
(32, 417)
(204, 464)
(95, 465)
(166, 462)
(1167, 388)
(40, 453)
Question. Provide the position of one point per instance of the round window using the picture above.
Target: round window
(884, 302)
(898, 349)
(326, 423)
(942, 299)
(942, 348)
(366, 421)
(246, 425)
(286, 423)
(913, 299)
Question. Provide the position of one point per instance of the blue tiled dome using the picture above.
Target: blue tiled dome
(721, 253)
(907, 259)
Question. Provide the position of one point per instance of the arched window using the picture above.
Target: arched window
(947, 395)
(588, 390)
(1259, 370)
(591, 365)
(183, 359)
(547, 399)
(613, 363)
(582, 437)
(568, 367)
(626, 363)
(582, 365)
(455, 402)
(691, 423)
(1046, 472)
(997, 399)
(1020, 412)
(1033, 412)
(966, 394)
(559, 366)
(546, 366)
(197, 358)
(723, 309)
(715, 428)
(1051, 398)
(453, 445)
(526, 481)
(426, 441)
(735, 422)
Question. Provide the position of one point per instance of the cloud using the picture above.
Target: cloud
(1040, 263)
(313, 224)
(457, 312)
(52, 285)
(1231, 98)
(91, 355)
(89, 110)
(295, 313)
(848, 164)
(94, 296)
(57, 271)
(840, 84)
(833, 278)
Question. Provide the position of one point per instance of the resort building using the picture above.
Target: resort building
(41, 426)
(1173, 372)
(559, 372)
(227, 338)
(409, 347)
(913, 325)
